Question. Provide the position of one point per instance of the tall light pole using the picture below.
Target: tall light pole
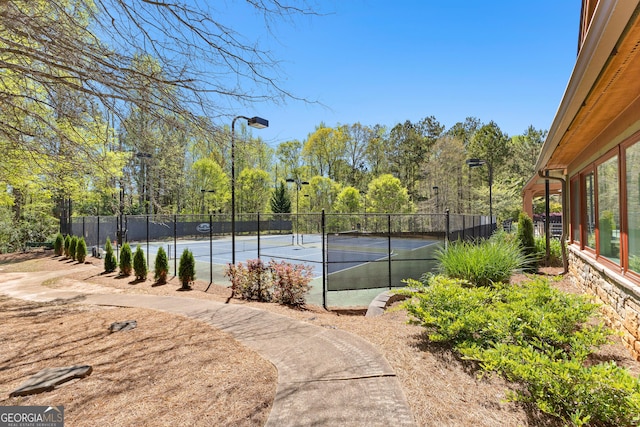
(474, 163)
(145, 190)
(254, 122)
(202, 190)
(299, 185)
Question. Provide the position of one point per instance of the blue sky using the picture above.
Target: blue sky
(384, 62)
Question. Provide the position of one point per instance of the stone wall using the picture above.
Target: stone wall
(619, 297)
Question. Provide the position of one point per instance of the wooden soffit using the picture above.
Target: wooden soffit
(603, 95)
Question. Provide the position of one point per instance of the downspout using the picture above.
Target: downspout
(563, 238)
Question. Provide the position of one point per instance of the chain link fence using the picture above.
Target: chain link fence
(354, 256)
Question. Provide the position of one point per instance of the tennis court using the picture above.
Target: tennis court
(353, 256)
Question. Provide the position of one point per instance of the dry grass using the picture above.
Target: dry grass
(197, 383)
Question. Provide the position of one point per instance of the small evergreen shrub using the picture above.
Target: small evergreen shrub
(110, 262)
(67, 245)
(126, 260)
(72, 247)
(81, 250)
(139, 264)
(533, 335)
(187, 269)
(482, 263)
(161, 267)
(58, 245)
(527, 242)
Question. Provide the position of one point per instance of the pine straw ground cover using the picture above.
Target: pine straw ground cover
(175, 371)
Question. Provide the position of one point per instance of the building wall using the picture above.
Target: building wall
(619, 297)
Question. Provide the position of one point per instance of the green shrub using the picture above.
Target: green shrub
(161, 267)
(67, 245)
(126, 260)
(140, 264)
(81, 250)
(187, 269)
(72, 247)
(555, 251)
(290, 282)
(250, 281)
(58, 245)
(110, 262)
(481, 263)
(281, 282)
(527, 243)
(535, 336)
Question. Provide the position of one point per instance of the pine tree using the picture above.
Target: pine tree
(110, 262)
(161, 267)
(187, 269)
(81, 250)
(140, 264)
(126, 260)
(280, 201)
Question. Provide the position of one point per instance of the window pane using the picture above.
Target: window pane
(590, 211)
(633, 205)
(609, 210)
(575, 210)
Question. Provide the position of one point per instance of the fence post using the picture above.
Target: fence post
(98, 233)
(258, 235)
(175, 245)
(147, 241)
(325, 267)
(210, 250)
(447, 226)
(389, 246)
(84, 236)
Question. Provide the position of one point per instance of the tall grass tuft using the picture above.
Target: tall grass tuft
(482, 263)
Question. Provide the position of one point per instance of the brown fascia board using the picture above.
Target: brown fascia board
(608, 23)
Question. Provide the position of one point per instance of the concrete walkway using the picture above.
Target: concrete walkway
(325, 376)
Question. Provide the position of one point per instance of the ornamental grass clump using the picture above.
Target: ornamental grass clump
(482, 263)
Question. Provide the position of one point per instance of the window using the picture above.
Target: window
(575, 210)
(590, 210)
(609, 210)
(632, 157)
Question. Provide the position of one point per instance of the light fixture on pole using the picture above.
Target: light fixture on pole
(299, 185)
(255, 122)
(474, 163)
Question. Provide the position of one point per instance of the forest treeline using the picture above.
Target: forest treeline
(121, 106)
